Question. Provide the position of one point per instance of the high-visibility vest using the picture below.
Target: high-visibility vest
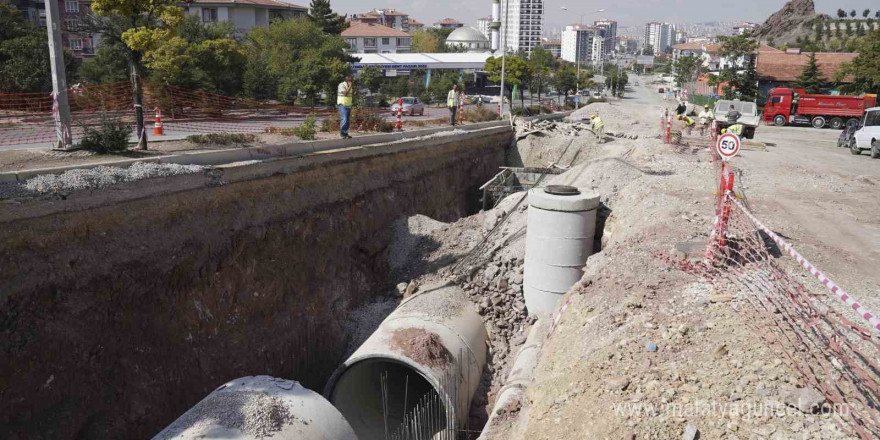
(341, 98)
(688, 120)
(451, 98)
(597, 123)
(736, 129)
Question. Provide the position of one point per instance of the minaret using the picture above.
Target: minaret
(496, 24)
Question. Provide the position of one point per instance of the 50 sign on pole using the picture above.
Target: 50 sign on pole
(727, 146)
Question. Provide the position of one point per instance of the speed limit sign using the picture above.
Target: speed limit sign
(727, 145)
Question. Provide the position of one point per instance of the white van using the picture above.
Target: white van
(867, 137)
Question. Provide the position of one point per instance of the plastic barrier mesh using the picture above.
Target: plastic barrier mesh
(810, 327)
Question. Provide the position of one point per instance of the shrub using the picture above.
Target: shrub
(481, 114)
(221, 138)
(373, 122)
(592, 100)
(110, 136)
(306, 130)
(331, 123)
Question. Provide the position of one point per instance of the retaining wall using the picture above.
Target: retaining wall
(123, 307)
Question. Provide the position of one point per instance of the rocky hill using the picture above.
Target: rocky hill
(794, 20)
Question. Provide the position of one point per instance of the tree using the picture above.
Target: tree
(811, 78)
(370, 78)
(865, 68)
(819, 32)
(565, 80)
(109, 65)
(687, 69)
(24, 55)
(848, 29)
(322, 15)
(426, 42)
(866, 13)
(877, 14)
(517, 72)
(541, 62)
(740, 85)
(300, 59)
(852, 13)
(615, 80)
(140, 25)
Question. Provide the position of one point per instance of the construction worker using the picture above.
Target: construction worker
(706, 117)
(687, 121)
(598, 127)
(733, 115)
(736, 129)
(453, 98)
(343, 100)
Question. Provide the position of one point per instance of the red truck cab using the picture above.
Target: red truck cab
(786, 106)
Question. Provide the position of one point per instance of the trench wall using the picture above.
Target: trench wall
(122, 308)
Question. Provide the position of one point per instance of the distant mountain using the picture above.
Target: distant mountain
(795, 20)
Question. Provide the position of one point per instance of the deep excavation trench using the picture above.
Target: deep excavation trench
(123, 311)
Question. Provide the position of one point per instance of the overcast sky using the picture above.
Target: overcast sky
(626, 12)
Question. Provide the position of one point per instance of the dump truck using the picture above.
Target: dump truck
(795, 106)
(748, 116)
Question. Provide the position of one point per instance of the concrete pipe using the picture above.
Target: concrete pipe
(257, 407)
(420, 367)
(559, 238)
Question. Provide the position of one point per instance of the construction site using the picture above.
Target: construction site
(516, 279)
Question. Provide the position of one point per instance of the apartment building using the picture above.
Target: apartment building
(553, 45)
(610, 27)
(386, 17)
(484, 25)
(659, 36)
(583, 44)
(376, 38)
(244, 14)
(522, 24)
(448, 23)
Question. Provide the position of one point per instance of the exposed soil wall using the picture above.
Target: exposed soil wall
(124, 308)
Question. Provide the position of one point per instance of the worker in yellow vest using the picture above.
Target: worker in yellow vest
(453, 98)
(343, 100)
(736, 129)
(598, 127)
(688, 122)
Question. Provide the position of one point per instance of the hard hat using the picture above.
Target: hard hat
(592, 116)
(723, 130)
(679, 117)
(706, 106)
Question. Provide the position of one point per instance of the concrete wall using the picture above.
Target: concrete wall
(124, 307)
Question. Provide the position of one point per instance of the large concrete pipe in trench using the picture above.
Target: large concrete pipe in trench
(559, 238)
(421, 366)
(257, 407)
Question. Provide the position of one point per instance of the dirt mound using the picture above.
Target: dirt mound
(421, 346)
(794, 20)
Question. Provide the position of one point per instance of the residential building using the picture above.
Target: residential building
(484, 25)
(469, 39)
(744, 27)
(579, 43)
(627, 45)
(375, 38)
(610, 27)
(680, 37)
(448, 23)
(70, 11)
(658, 36)
(386, 17)
(522, 24)
(778, 69)
(244, 14)
(415, 24)
(553, 45)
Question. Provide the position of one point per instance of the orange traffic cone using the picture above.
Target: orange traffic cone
(158, 130)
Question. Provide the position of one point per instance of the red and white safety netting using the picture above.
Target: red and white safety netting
(819, 329)
(26, 118)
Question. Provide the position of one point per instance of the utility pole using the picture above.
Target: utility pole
(60, 105)
(504, 53)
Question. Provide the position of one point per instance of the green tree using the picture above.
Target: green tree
(866, 13)
(426, 42)
(541, 63)
(517, 72)
(109, 65)
(24, 55)
(565, 79)
(811, 78)
(687, 69)
(864, 70)
(820, 28)
(860, 30)
(841, 13)
(322, 15)
(739, 84)
(852, 13)
(299, 57)
(370, 78)
(616, 80)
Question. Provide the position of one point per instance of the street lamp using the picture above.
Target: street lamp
(578, 53)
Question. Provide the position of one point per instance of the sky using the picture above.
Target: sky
(626, 12)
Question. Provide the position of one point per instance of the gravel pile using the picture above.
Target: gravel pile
(102, 176)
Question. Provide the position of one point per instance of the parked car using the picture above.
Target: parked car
(867, 137)
(749, 117)
(411, 106)
(661, 90)
(846, 136)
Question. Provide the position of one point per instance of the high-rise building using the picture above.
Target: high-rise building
(610, 27)
(522, 23)
(553, 45)
(659, 36)
(583, 44)
(484, 25)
